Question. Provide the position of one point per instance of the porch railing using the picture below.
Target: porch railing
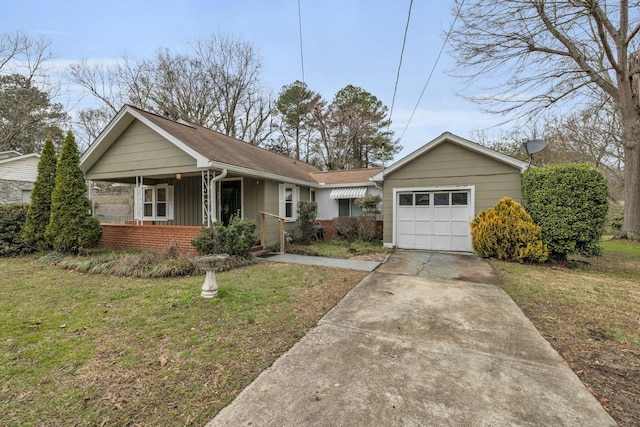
(263, 220)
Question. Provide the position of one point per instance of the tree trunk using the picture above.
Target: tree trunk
(631, 225)
(630, 109)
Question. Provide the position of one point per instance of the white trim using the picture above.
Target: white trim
(139, 196)
(282, 203)
(17, 158)
(472, 201)
(346, 185)
(447, 136)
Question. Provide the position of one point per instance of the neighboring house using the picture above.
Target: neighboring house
(431, 195)
(17, 175)
(337, 191)
(185, 176)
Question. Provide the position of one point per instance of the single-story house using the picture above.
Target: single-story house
(432, 194)
(185, 176)
(18, 173)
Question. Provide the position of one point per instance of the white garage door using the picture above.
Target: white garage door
(434, 220)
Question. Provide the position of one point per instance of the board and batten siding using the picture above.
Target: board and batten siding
(140, 151)
(450, 164)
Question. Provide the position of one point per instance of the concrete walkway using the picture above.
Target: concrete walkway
(325, 262)
(402, 349)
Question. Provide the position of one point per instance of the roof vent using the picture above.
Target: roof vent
(186, 123)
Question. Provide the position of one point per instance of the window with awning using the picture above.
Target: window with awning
(348, 193)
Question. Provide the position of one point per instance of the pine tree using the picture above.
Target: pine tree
(40, 208)
(71, 226)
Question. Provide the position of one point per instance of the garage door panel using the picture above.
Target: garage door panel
(460, 213)
(460, 228)
(405, 213)
(441, 213)
(460, 243)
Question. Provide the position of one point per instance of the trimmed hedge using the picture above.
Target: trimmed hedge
(507, 232)
(236, 239)
(12, 219)
(570, 203)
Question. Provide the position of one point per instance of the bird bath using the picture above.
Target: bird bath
(208, 264)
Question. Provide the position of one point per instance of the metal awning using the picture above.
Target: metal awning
(348, 193)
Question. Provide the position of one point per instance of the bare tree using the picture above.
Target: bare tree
(217, 85)
(542, 54)
(21, 54)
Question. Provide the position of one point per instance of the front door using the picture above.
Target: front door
(230, 199)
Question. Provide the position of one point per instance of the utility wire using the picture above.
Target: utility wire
(434, 68)
(404, 42)
(300, 30)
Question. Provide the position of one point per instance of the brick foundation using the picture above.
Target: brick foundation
(154, 238)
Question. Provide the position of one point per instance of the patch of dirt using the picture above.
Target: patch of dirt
(373, 256)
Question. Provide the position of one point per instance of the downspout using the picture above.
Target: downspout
(212, 184)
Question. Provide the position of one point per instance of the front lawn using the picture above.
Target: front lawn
(590, 314)
(80, 349)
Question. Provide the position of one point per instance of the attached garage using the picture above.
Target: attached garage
(432, 195)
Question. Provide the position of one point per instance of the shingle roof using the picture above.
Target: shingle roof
(225, 149)
(350, 176)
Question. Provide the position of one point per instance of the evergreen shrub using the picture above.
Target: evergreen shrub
(570, 202)
(40, 208)
(236, 239)
(12, 219)
(507, 232)
(71, 226)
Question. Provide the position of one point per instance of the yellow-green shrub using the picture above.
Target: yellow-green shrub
(507, 232)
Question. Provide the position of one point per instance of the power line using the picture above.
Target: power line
(404, 42)
(434, 67)
(300, 30)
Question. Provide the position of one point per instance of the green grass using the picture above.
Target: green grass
(590, 312)
(81, 349)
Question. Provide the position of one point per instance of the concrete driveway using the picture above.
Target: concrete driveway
(428, 339)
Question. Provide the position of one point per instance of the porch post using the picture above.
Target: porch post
(138, 201)
(208, 198)
(90, 194)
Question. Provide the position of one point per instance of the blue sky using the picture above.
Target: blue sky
(345, 42)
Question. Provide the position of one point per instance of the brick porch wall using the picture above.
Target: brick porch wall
(154, 238)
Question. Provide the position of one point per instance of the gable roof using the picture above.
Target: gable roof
(18, 157)
(449, 137)
(349, 176)
(209, 148)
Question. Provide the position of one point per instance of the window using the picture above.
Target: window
(312, 195)
(288, 199)
(26, 196)
(422, 199)
(155, 203)
(405, 200)
(441, 199)
(347, 207)
(459, 199)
